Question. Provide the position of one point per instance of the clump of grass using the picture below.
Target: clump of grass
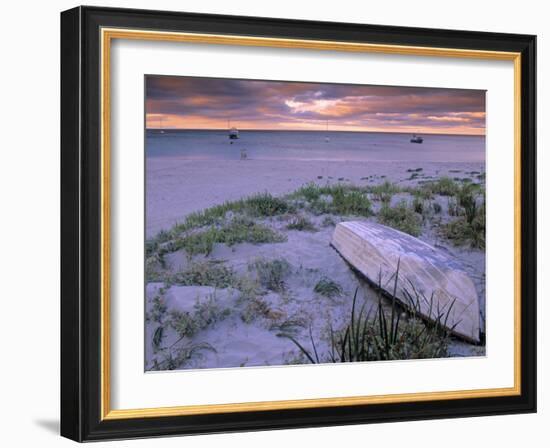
(239, 230)
(174, 357)
(310, 192)
(301, 223)
(328, 288)
(418, 205)
(254, 309)
(158, 308)
(207, 273)
(259, 205)
(401, 217)
(264, 205)
(328, 221)
(469, 227)
(350, 202)
(384, 192)
(467, 197)
(272, 273)
(335, 199)
(205, 312)
(464, 232)
(368, 337)
(453, 209)
(422, 191)
(154, 268)
(444, 186)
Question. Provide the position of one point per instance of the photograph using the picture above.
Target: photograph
(291, 223)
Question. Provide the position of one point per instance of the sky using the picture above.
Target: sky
(209, 103)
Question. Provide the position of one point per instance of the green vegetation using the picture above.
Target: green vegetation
(328, 221)
(272, 273)
(257, 206)
(158, 309)
(384, 192)
(418, 205)
(328, 288)
(174, 357)
(254, 309)
(367, 337)
(301, 223)
(335, 199)
(205, 312)
(401, 217)
(346, 202)
(444, 186)
(239, 230)
(206, 273)
(469, 227)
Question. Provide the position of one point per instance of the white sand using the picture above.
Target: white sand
(177, 187)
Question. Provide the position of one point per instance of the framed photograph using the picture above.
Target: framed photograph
(276, 224)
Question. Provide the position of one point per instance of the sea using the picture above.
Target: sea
(314, 145)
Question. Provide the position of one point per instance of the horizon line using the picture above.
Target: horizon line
(312, 130)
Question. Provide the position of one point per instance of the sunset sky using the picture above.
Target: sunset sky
(208, 103)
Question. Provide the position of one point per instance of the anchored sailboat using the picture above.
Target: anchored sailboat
(233, 131)
(416, 139)
(327, 139)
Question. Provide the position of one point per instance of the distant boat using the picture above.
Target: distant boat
(161, 130)
(327, 139)
(416, 139)
(233, 131)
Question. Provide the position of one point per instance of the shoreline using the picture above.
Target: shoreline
(177, 186)
(244, 277)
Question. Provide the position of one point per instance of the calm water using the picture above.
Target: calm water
(299, 145)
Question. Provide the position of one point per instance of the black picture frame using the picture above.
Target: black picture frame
(81, 224)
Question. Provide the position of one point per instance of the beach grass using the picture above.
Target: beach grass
(385, 191)
(468, 205)
(338, 199)
(380, 336)
(206, 312)
(272, 273)
(328, 288)
(401, 217)
(301, 223)
(461, 233)
(238, 230)
(205, 273)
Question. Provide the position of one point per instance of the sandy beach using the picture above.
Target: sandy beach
(178, 186)
(217, 300)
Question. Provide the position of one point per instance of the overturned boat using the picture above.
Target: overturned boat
(429, 282)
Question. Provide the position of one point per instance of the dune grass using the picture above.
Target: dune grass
(337, 199)
(301, 223)
(238, 230)
(401, 217)
(328, 288)
(469, 227)
(206, 312)
(256, 206)
(385, 191)
(272, 273)
(205, 273)
(381, 335)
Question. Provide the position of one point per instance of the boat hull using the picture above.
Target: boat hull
(429, 281)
